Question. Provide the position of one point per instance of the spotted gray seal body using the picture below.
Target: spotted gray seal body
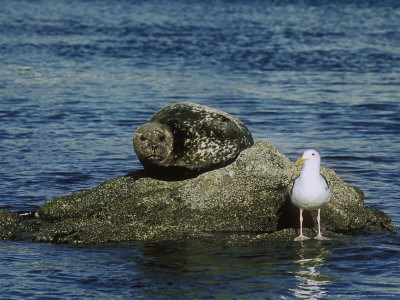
(188, 139)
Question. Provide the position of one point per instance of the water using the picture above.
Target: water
(78, 77)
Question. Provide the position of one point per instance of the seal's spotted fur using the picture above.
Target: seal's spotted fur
(203, 138)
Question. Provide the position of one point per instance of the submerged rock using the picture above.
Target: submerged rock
(246, 201)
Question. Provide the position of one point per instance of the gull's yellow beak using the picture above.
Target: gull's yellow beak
(300, 161)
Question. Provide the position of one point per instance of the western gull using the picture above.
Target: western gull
(310, 190)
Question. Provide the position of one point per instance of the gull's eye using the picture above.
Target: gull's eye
(313, 154)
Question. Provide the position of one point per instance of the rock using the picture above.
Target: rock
(17, 226)
(8, 224)
(246, 202)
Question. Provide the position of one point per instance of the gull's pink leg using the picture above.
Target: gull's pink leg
(319, 236)
(301, 237)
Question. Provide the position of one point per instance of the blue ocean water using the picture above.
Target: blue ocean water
(78, 77)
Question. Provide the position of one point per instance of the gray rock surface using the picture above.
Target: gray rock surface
(246, 202)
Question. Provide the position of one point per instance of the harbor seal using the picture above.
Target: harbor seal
(185, 139)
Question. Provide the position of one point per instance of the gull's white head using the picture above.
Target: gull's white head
(309, 156)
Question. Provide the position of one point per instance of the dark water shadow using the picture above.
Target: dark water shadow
(165, 174)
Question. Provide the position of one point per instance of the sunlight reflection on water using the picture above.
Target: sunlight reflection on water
(311, 281)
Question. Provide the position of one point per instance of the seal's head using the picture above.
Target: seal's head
(153, 143)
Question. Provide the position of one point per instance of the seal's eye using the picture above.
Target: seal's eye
(142, 138)
(162, 138)
(224, 119)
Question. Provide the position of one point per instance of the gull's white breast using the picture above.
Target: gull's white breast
(310, 193)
